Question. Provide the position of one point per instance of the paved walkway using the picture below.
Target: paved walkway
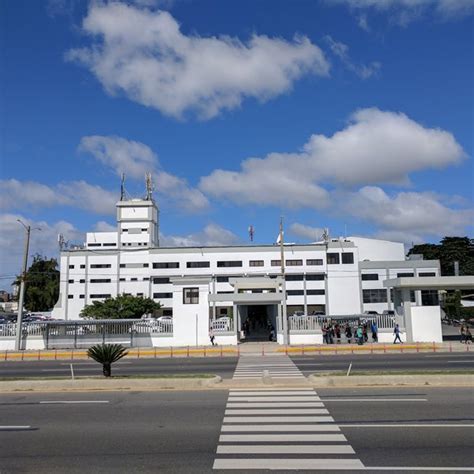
(275, 367)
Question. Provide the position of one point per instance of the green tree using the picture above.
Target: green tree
(41, 284)
(120, 307)
(107, 354)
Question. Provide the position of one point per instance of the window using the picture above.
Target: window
(100, 296)
(198, 264)
(160, 280)
(222, 279)
(294, 277)
(133, 279)
(295, 292)
(190, 295)
(162, 295)
(333, 259)
(314, 261)
(369, 276)
(70, 281)
(70, 297)
(256, 263)
(100, 280)
(401, 275)
(166, 265)
(230, 263)
(94, 245)
(83, 266)
(412, 296)
(347, 257)
(146, 279)
(225, 292)
(101, 265)
(429, 298)
(109, 245)
(145, 265)
(139, 294)
(121, 279)
(427, 274)
(82, 281)
(315, 292)
(276, 263)
(315, 276)
(122, 265)
(81, 297)
(374, 296)
(294, 263)
(71, 266)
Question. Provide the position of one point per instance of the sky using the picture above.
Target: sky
(351, 115)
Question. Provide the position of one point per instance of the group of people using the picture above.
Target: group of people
(332, 332)
(466, 336)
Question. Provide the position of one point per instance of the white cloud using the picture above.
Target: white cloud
(42, 241)
(411, 214)
(144, 55)
(135, 159)
(406, 11)
(375, 147)
(103, 226)
(211, 235)
(307, 232)
(341, 50)
(17, 195)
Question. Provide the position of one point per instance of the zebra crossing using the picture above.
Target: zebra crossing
(276, 366)
(281, 429)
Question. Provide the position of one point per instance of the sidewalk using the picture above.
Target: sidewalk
(254, 348)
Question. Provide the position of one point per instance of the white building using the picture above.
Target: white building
(340, 277)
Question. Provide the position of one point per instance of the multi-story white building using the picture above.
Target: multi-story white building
(338, 277)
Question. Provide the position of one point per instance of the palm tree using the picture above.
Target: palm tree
(107, 354)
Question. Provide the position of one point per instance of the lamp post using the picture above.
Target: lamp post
(283, 285)
(21, 297)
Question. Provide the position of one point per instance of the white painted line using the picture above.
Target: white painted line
(279, 411)
(330, 400)
(281, 464)
(408, 425)
(273, 428)
(254, 393)
(278, 419)
(274, 405)
(264, 390)
(70, 402)
(11, 428)
(235, 438)
(419, 468)
(285, 449)
(233, 398)
(470, 361)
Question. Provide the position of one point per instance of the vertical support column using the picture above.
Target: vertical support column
(389, 300)
(214, 302)
(407, 314)
(305, 297)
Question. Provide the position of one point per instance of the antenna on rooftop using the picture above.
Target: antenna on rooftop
(149, 186)
(122, 187)
(251, 232)
(326, 235)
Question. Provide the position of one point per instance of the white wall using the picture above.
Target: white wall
(374, 249)
(424, 324)
(306, 339)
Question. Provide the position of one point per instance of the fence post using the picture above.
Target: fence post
(450, 347)
(434, 346)
(188, 351)
(263, 350)
(221, 352)
(6, 354)
(171, 351)
(138, 352)
(204, 351)
(384, 348)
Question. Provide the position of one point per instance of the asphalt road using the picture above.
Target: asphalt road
(179, 432)
(225, 366)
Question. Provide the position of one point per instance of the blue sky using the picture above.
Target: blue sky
(358, 116)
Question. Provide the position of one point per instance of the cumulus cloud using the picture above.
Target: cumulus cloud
(306, 232)
(103, 226)
(16, 195)
(375, 147)
(341, 50)
(135, 159)
(211, 235)
(416, 216)
(143, 54)
(406, 11)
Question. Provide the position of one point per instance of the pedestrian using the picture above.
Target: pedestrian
(325, 333)
(396, 331)
(212, 336)
(468, 336)
(360, 336)
(337, 330)
(271, 336)
(462, 331)
(331, 334)
(374, 329)
(348, 333)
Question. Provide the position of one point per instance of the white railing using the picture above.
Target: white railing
(223, 325)
(304, 323)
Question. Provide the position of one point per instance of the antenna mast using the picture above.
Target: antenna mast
(149, 186)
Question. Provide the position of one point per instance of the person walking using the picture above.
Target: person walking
(374, 329)
(360, 336)
(462, 331)
(348, 332)
(212, 336)
(396, 331)
(468, 335)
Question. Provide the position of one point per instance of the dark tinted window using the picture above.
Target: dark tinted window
(198, 264)
(333, 258)
(347, 257)
(370, 276)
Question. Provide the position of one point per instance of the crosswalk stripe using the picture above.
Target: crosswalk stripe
(256, 393)
(274, 404)
(278, 411)
(278, 419)
(285, 449)
(280, 463)
(276, 389)
(284, 428)
(244, 438)
(315, 398)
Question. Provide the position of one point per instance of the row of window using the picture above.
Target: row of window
(337, 258)
(375, 276)
(106, 244)
(237, 263)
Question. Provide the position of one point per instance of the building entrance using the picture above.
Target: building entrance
(258, 323)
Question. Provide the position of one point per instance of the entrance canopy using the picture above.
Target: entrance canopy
(431, 283)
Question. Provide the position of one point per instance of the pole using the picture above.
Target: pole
(22, 288)
(283, 285)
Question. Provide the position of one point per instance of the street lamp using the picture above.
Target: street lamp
(22, 286)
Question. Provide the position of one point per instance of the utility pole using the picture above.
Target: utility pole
(22, 287)
(283, 286)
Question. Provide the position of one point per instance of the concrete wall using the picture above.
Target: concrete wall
(305, 339)
(424, 324)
